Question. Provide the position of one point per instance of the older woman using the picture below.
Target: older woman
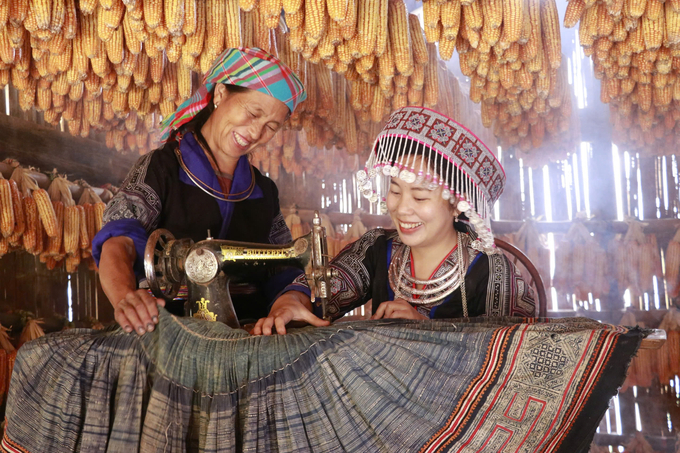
(441, 262)
(201, 180)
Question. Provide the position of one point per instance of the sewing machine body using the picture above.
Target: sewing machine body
(210, 265)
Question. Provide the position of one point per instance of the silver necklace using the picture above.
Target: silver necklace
(433, 290)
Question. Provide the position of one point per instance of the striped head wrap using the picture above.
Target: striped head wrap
(246, 67)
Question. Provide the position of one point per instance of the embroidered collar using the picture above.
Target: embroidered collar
(198, 163)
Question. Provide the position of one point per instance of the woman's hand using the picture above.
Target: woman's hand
(292, 306)
(399, 308)
(138, 311)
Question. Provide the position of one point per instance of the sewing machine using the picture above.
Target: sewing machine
(209, 265)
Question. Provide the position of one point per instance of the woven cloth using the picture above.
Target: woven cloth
(485, 384)
(246, 67)
(463, 162)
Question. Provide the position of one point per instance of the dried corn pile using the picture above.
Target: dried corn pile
(121, 65)
(511, 50)
(636, 261)
(321, 139)
(672, 265)
(48, 223)
(635, 47)
(581, 265)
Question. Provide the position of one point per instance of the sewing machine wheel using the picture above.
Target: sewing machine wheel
(157, 265)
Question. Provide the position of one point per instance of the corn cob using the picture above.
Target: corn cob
(46, 211)
(450, 15)
(634, 9)
(6, 204)
(153, 13)
(473, 15)
(58, 16)
(652, 32)
(247, 5)
(98, 215)
(28, 238)
(71, 230)
(400, 45)
(514, 18)
(232, 37)
(194, 43)
(533, 46)
(54, 244)
(417, 40)
(90, 223)
(112, 17)
(17, 13)
(446, 48)
(169, 82)
(550, 27)
(316, 21)
(431, 80)
(189, 19)
(492, 11)
(174, 14)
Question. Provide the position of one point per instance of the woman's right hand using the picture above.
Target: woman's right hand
(289, 307)
(138, 311)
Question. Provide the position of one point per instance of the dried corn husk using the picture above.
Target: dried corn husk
(639, 444)
(31, 331)
(294, 223)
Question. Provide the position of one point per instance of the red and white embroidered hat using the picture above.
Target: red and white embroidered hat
(452, 158)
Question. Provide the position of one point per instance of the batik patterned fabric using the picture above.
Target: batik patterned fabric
(246, 67)
(481, 385)
(463, 162)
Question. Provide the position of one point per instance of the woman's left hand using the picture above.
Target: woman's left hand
(397, 309)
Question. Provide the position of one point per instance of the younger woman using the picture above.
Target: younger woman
(441, 261)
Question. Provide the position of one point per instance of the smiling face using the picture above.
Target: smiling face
(240, 122)
(422, 217)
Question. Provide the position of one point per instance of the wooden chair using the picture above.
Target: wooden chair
(517, 256)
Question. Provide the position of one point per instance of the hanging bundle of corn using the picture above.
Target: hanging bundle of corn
(639, 444)
(528, 240)
(294, 223)
(31, 331)
(511, 52)
(672, 265)
(637, 260)
(668, 356)
(635, 48)
(88, 221)
(66, 241)
(641, 370)
(581, 265)
(7, 355)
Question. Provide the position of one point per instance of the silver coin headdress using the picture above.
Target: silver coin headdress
(451, 157)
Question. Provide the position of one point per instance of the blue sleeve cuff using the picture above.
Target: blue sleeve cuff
(131, 228)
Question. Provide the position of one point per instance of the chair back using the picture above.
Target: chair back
(527, 268)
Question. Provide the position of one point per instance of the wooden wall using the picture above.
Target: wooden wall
(26, 284)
